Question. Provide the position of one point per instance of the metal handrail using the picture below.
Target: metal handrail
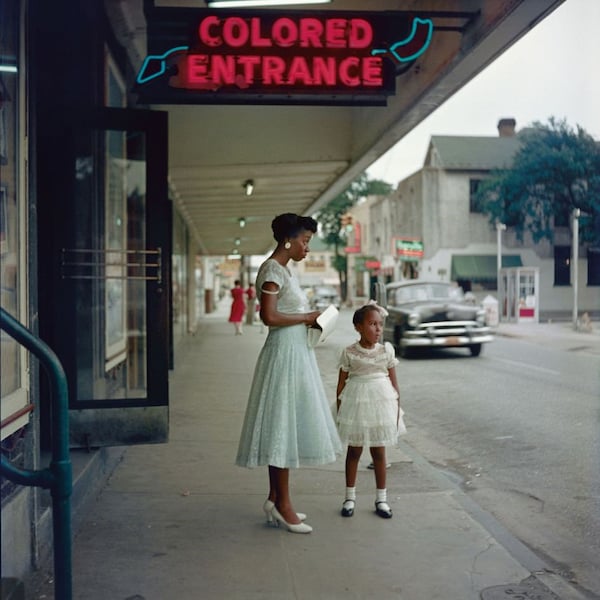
(57, 477)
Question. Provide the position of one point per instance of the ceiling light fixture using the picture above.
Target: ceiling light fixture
(256, 3)
(237, 241)
(248, 185)
(242, 222)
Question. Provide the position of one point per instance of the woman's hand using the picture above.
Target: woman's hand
(311, 317)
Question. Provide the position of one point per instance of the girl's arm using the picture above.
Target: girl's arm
(272, 317)
(340, 386)
(394, 380)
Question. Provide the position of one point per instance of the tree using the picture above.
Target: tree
(555, 170)
(330, 216)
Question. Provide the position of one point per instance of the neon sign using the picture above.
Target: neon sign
(355, 240)
(200, 56)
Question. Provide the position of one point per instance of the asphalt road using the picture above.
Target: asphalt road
(518, 427)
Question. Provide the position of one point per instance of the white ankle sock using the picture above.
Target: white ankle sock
(381, 495)
(351, 493)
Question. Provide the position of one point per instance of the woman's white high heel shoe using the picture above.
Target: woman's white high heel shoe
(268, 509)
(292, 527)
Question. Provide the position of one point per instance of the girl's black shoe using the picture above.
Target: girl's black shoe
(348, 508)
(383, 509)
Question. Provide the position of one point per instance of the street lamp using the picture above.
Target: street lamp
(574, 263)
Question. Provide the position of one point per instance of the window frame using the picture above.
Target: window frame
(593, 267)
(16, 407)
(562, 273)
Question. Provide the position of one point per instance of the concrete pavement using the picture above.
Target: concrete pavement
(180, 521)
(559, 334)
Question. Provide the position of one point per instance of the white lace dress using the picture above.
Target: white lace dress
(288, 422)
(369, 414)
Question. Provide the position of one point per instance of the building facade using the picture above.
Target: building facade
(435, 208)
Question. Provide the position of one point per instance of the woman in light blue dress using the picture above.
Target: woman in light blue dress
(288, 422)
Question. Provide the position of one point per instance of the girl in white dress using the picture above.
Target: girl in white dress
(368, 404)
(288, 422)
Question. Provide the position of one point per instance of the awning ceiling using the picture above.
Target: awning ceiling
(300, 157)
(481, 267)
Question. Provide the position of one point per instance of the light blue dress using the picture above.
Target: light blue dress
(288, 422)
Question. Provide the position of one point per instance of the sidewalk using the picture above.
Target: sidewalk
(559, 334)
(180, 521)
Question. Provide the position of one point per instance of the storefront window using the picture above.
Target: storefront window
(12, 253)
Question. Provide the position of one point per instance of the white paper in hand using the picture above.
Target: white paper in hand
(326, 322)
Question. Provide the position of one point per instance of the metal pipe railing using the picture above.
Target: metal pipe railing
(58, 476)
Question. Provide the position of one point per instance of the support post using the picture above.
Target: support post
(575, 265)
(500, 227)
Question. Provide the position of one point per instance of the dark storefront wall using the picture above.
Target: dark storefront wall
(105, 243)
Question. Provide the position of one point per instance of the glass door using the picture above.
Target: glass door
(113, 292)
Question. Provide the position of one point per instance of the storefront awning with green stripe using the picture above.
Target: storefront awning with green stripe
(481, 267)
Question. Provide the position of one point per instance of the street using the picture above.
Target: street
(517, 428)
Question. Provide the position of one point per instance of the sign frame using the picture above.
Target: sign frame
(207, 56)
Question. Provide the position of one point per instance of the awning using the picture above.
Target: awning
(482, 267)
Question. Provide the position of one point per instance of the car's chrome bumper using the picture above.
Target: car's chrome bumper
(446, 334)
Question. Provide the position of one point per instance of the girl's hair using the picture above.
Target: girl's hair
(237, 282)
(360, 315)
(289, 225)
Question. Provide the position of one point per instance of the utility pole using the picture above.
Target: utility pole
(575, 264)
(500, 227)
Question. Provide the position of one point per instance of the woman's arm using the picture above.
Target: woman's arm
(343, 375)
(272, 317)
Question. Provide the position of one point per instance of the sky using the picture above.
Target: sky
(551, 71)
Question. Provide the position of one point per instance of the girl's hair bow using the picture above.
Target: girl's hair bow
(383, 312)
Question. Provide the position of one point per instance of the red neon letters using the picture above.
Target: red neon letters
(212, 72)
(326, 52)
(307, 32)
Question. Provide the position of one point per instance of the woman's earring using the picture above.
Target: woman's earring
(287, 245)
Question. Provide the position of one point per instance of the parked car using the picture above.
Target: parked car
(433, 315)
(323, 296)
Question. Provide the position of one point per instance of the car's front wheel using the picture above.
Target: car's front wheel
(475, 349)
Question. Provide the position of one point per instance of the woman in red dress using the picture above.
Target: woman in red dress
(238, 307)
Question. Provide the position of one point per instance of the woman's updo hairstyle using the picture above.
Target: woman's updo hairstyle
(289, 225)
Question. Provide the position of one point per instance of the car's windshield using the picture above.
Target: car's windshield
(427, 291)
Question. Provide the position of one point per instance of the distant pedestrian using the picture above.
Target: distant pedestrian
(238, 307)
(288, 422)
(368, 405)
(250, 304)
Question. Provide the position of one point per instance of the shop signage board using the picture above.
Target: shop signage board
(367, 263)
(202, 56)
(354, 239)
(408, 250)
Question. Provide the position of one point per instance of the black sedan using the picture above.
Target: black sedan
(433, 315)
